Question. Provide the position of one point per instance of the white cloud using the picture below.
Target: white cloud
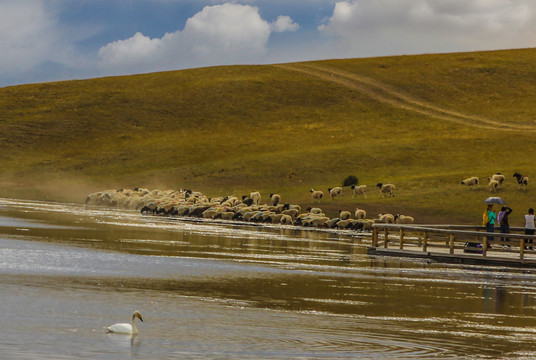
(284, 23)
(28, 35)
(217, 35)
(381, 27)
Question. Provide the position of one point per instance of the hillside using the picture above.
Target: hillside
(421, 122)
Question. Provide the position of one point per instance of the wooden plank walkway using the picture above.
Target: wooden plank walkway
(450, 244)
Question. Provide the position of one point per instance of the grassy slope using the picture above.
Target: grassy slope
(284, 129)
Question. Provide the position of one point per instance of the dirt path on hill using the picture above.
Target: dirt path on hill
(387, 94)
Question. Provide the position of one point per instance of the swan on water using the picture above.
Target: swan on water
(124, 328)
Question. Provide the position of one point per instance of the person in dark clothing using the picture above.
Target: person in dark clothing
(504, 224)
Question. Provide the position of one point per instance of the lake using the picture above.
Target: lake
(215, 290)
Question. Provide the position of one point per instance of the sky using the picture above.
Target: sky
(50, 40)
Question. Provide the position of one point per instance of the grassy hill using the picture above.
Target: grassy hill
(421, 122)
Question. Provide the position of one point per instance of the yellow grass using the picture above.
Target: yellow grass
(422, 122)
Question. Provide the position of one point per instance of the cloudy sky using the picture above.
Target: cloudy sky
(46, 40)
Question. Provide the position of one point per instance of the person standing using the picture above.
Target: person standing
(504, 224)
(529, 226)
(490, 223)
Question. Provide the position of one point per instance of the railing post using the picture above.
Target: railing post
(375, 236)
(522, 249)
(425, 241)
(385, 236)
(451, 243)
(401, 239)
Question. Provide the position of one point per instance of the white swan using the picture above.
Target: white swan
(124, 328)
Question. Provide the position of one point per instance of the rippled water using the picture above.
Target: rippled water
(229, 291)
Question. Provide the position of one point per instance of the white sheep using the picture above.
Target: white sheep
(256, 197)
(336, 191)
(292, 212)
(286, 220)
(316, 195)
(499, 177)
(314, 210)
(344, 215)
(404, 219)
(360, 213)
(386, 189)
(493, 185)
(275, 199)
(386, 218)
(359, 190)
(471, 181)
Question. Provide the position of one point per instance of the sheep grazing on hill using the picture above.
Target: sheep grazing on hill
(493, 185)
(360, 214)
(256, 197)
(386, 189)
(336, 191)
(344, 215)
(498, 177)
(472, 181)
(522, 180)
(275, 199)
(359, 190)
(316, 194)
(403, 219)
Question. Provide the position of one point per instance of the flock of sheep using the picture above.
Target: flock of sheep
(187, 203)
(496, 180)
(385, 190)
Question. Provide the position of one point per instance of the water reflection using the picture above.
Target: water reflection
(240, 291)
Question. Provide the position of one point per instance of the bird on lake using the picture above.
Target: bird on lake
(124, 328)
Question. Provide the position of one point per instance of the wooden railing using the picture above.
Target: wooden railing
(450, 237)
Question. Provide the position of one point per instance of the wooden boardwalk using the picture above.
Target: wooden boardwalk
(460, 244)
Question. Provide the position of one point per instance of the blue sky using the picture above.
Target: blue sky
(48, 40)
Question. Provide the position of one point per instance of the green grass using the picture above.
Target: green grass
(286, 129)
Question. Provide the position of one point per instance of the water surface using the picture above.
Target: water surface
(228, 291)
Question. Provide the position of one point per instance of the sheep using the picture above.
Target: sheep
(366, 224)
(316, 221)
(386, 218)
(522, 180)
(275, 199)
(226, 215)
(386, 189)
(256, 197)
(292, 212)
(314, 210)
(93, 198)
(360, 214)
(344, 215)
(493, 185)
(286, 220)
(331, 223)
(499, 177)
(471, 181)
(247, 200)
(403, 219)
(359, 190)
(316, 194)
(336, 191)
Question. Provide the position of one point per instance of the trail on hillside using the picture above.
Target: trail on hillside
(387, 94)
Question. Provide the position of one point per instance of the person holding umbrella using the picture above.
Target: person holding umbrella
(489, 218)
(490, 224)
